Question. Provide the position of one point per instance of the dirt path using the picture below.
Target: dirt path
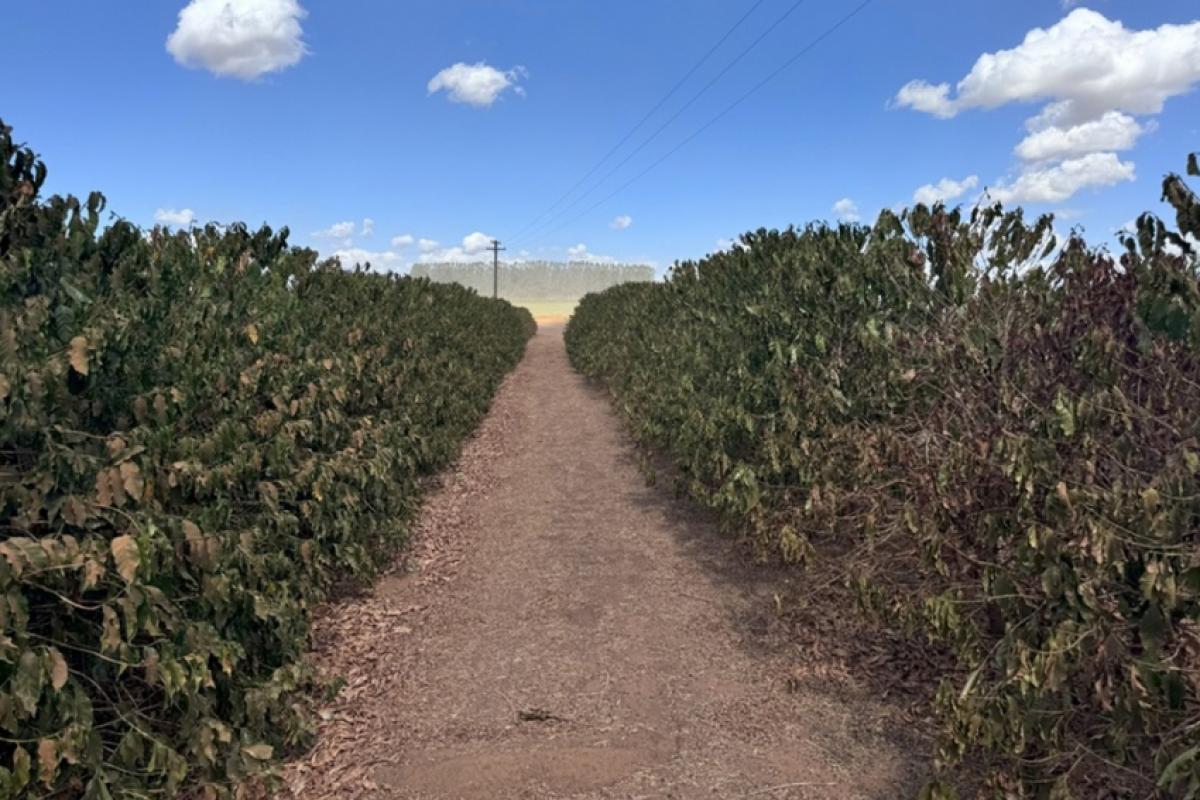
(561, 630)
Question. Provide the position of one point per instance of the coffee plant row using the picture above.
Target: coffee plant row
(200, 433)
(992, 437)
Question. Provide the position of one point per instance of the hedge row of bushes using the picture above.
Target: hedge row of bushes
(997, 437)
(200, 433)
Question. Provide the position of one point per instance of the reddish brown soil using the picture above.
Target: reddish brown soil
(561, 630)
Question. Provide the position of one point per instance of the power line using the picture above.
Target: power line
(671, 93)
(754, 90)
(704, 90)
(496, 250)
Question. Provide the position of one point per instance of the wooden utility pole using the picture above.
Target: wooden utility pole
(496, 249)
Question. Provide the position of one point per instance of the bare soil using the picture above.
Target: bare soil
(561, 630)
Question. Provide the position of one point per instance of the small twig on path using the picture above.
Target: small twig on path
(539, 715)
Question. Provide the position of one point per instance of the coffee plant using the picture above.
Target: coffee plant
(200, 433)
(992, 436)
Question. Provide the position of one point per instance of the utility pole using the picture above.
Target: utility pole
(496, 249)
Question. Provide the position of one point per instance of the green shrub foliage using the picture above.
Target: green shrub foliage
(199, 433)
(996, 437)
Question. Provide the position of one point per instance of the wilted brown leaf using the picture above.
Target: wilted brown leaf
(58, 670)
(47, 761)
(260, 752)
(131, 480)
(78, 355)
(127, 557)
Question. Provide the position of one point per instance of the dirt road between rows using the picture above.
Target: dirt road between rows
(561, 630)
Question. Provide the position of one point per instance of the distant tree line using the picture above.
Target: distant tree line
(537, 280)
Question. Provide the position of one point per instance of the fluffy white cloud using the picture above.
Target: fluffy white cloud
(338, 230)
(243, 39)
(945, 190)
(403, 241)
(1086, 63)
(846, 210)
(621, 223)
(387, 260)
(474, 243)
(1112, 132)
(476, 84)
(180, 219)
(1094, 76)
(580, 252)
(448, 255)
(346, 230)
(1055, 183)
(475, 247)
(923, 96)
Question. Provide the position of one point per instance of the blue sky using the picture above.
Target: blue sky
(311, 113)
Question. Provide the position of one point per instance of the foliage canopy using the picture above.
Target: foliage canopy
(997, 436)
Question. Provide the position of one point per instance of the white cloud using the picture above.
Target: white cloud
(1095, 77)
(345, 230)
(1112, 132)
(923, 96)
(477, 242)
(1086, 63)
(1055, 183)
(621, 223)
(475, 247)
(405, 240)
(945, 190)
(180, 219)
(448, 255)
(580, 252)
(451, 255)
(338, 230)
(846, 210)
(243, 39)
(388, 260)
(478, 84)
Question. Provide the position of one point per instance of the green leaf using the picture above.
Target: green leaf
(22, 767)
(1153, 628)
(27, 682)
(1066, 414)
